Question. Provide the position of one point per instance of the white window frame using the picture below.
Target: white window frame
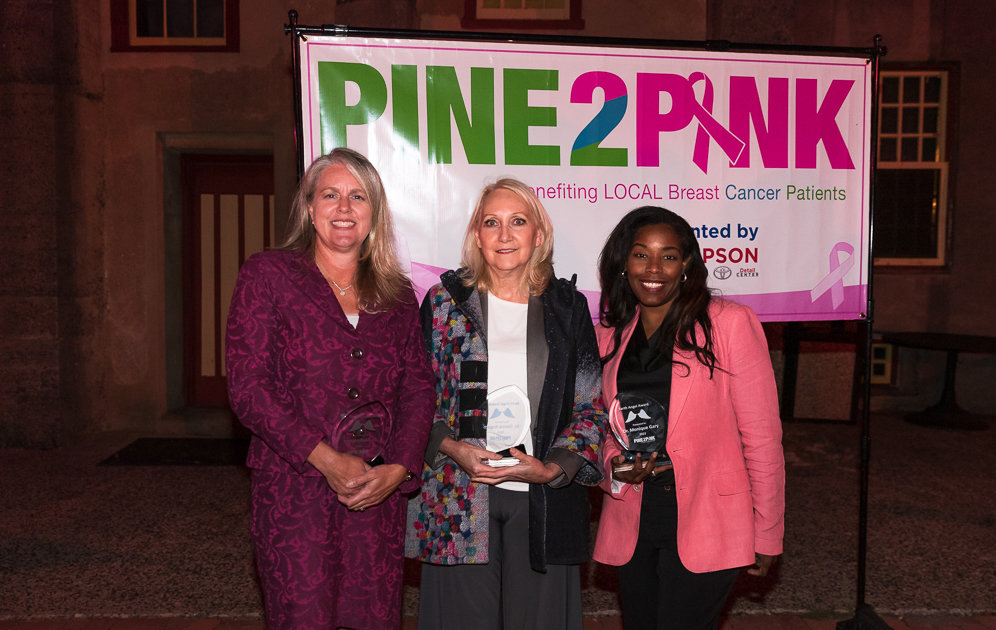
(941, 205)
(125, 37)
(522, 14)
(516, 10)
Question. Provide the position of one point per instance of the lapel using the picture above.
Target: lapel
(624, 341)
(471, 302)
(315, 287)
(682, 380)
(538, 352)
(475, 307)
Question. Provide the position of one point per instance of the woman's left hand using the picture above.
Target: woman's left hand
(762, 564)
(529, 469)
(374, 486)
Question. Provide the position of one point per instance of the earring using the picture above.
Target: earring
(684, 277)
(623, 274)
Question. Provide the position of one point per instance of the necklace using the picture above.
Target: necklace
(328, 277)
(342, 291)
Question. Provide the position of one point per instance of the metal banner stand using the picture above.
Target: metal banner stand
(865, 616)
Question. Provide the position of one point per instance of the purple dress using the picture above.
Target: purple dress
(295, 365)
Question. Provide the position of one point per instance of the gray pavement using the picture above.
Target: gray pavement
(82, 540)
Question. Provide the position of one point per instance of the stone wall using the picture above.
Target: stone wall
(88, 181)
(32, 80)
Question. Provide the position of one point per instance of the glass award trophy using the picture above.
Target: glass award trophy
(508, 422)
(364, 432)
(640, 424)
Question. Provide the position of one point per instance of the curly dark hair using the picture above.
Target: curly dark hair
(617, 305)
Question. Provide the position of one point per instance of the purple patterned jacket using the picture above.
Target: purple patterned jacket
(448, 519)
(295, 365)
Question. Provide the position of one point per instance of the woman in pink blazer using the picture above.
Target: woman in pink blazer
(682, 521)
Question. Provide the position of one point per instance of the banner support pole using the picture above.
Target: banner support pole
(865, 617)
(296, 32)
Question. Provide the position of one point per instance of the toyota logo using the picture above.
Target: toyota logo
(722, 273)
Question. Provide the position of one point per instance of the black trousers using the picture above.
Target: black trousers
(655, 589)
(505, 592)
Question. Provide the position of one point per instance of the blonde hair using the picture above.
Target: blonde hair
(539, 269)
(380, 282)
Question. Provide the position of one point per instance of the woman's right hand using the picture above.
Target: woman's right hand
(338, 468)
(468, 456)
(640, 470)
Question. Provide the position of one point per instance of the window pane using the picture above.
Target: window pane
(210, 18)
(905, 217)
(491, 4)
(887, 150)
(148, 25)
(910, 152)
(890, 120)
(149, 18)
(179, 18)
(930, 120)
(910, 214)
(911, 120)
(932, 90)
(911, 89)
(890, 89)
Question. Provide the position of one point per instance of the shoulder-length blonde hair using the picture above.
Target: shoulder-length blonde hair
(539, 269)
(380, 282)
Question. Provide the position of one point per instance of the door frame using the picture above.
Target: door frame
(172, 146)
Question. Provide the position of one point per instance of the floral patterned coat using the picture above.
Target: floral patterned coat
(295, 364)
(448, 519)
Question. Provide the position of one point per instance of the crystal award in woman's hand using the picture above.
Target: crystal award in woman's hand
(640, 424)
(364, 432)
(508, 422)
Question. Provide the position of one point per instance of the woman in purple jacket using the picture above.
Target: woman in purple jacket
(321, 328)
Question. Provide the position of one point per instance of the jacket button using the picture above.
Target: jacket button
(637, 488)
(353, 393)
(357, 353)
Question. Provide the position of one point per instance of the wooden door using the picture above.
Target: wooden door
(227, 216)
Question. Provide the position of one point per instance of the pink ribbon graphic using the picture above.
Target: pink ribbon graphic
(834, 281)
(731, 145)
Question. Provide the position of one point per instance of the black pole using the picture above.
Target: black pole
(865, 616)
(296, 36)
(633, 42)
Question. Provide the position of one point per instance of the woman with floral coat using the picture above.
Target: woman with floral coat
(501, 545)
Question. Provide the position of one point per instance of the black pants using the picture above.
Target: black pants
(655, 589)
(505, 592)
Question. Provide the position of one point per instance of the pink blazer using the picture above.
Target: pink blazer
(724, 437)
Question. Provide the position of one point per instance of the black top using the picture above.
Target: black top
(645, 369)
